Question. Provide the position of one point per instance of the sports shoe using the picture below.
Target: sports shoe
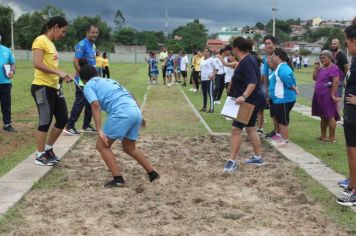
(271, 134)
(347, 191)
(203, 109)
(52, 156)
(89, 129)
(344, 183)
(230, 166)
(276, 138)
(260, 132)
(70, 131)
(9, 128)
(44, 160)
(114, 184)
(217, 102)
(254, 160)
(191, 89)
(347, 201)
(210, 111)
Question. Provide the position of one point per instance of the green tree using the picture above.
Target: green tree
(126, 36)
(5, 27)
(305, 52)
(175, 45)
(119, 20)
(150, 39)
(194, 36)
(260, 26)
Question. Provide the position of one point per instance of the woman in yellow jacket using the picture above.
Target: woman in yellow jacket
(106, 71)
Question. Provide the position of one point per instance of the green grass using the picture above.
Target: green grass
(343, 216)
(304, 75)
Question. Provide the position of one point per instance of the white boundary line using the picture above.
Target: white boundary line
(145, 97)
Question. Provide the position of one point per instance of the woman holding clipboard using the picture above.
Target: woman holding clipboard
(245, 88)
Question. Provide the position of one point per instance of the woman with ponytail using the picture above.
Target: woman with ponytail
(46, 89)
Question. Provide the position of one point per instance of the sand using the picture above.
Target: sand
(193, 196)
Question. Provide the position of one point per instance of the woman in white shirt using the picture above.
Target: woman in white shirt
(208, 69)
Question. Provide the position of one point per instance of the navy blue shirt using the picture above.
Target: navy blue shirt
(248, 72)
(349, 109)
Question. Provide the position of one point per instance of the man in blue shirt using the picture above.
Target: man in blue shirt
(84, 49)
(7, 71)
(123, 122)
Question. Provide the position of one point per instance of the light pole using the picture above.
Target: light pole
(274, 9)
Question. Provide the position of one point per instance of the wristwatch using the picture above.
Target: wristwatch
(244, 96)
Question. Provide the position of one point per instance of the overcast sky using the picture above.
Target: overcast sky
(214, 14)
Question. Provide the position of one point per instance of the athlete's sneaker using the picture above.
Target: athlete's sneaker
(114, 184)
(52, 156)
(217, 102)
(347, 201)
(347, 191)
(281, 144)
(89, 129)
(191, 89)
(254, 160)
(44, 160)
(260, 132)
(271, 134)
(276, 138)
(153, 176)
(230, 166)
(70, 131)
(9, 128)
(344, 183)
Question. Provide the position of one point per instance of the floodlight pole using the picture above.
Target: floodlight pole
(274, 9)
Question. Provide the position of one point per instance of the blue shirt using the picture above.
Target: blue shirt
(85, 49)
(280, 83)
(170, 63)
(153, 64)
(266, 71)
(6, 57)
(111, 95)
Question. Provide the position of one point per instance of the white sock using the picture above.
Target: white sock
(48, 147)
(38, 154)
(233, 161)
(258, 157)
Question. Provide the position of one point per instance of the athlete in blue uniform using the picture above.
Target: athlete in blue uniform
(123, 122)
(152, 61)
(169, 63)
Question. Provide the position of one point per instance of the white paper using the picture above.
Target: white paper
(230, 108)
(7, 68)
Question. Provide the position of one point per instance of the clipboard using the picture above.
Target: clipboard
(241, 113)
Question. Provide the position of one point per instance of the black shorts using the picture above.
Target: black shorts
(184, 73)
(251, 123)
(350, 134)
(282, 111)
(271, 109)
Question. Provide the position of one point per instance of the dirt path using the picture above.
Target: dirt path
(193, 197)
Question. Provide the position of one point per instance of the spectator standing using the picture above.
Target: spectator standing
(106, 66)
(184, 64)
(99, 63)
(162, 58)
(219, 78)
(84, 49)
(7, 61)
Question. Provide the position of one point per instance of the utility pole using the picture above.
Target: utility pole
(166, 25)
(274, 9)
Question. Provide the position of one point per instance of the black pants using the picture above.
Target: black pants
(50, 102)
(196, 76)
(219, 86)
(79, 103)
(207, 87)
(5, 100)
(106, 72)
(164, 68)
(191, 76)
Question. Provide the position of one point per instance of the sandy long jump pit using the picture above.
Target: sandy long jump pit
(193, 196)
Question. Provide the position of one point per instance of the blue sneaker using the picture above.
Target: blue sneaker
(230, 166)
(254, 160)
(344, 183)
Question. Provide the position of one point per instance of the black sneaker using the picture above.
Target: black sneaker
(347, 201)
(153, 175)
(347, 191)
(52, 156)
(44, 160)
(260, 132)
(210, 111)
(203, 109)
(184, 84)
(271, 134)
(70, 131)
(9, 128)
(114, 184)
(89, 129)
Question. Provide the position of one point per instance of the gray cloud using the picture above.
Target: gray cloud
(149, 14)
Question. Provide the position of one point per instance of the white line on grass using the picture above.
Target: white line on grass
(145, 97)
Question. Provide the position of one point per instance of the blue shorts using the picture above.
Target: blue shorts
(169, 72)
(154, 73)
(124, 124)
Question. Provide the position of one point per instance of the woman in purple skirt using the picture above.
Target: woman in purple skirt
(325, 99)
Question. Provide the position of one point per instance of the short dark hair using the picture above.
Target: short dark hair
(270, 37)
(283, 55)
(350, 31)
(87, 72)
(242, 44)
(91, 25)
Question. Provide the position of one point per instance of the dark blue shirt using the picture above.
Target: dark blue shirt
(248, 72)
(350, 110)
